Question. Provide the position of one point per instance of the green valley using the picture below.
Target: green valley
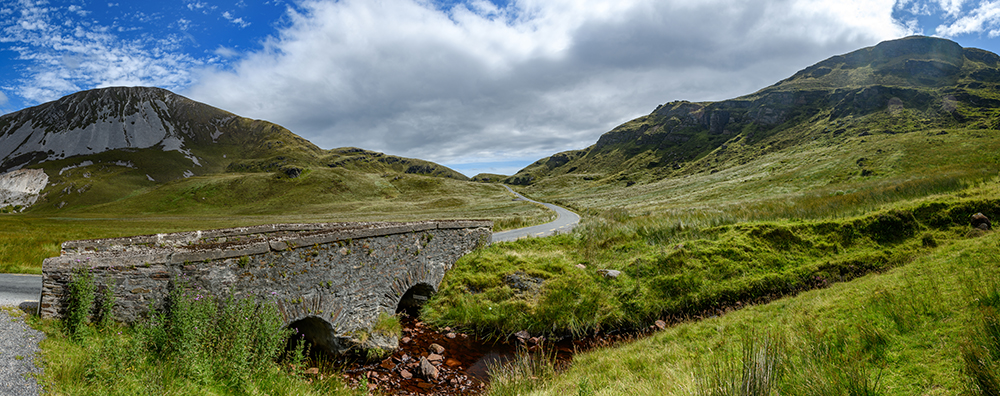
(814, 237)
(838, 192)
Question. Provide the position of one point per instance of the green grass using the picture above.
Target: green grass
(250, 199)
(201, 345)
(895, 333)
(819, 176)
(556, 285)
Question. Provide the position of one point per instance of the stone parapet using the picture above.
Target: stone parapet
(332, 280)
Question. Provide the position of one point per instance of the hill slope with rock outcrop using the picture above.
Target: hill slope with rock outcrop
(904, 85)
(107, 144)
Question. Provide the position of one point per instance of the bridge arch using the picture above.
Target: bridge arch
(414, 298)
(317, 331)
(331, 281)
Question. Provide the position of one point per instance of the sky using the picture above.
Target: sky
(477, 85)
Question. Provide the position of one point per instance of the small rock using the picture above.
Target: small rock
(436, 348)
(450, 335)
(387, 364)
(981, 222)
(435, 358)
(610, 274)
(405, 374)
(581, 266)
(427, 370)
(661, 324)
(522, 335)
(452, 362)
(312, 371)
(405, 340)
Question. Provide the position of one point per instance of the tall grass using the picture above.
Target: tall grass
(199, 344)
(666, 270)
(79, 304)
(755, 372)
(525, 372)
(981, 352)
(921, 328)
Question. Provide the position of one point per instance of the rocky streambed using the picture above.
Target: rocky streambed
(445, 362)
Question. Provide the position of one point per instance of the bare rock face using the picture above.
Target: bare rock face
(21, 187)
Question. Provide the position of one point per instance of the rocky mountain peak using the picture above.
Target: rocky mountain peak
(95, 121)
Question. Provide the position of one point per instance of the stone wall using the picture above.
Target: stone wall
(330, 281)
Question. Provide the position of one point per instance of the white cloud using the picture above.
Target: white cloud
(66, 55)
(951, 7)
(237, 21)
(483, 83)
(226, 52)
(197, 5)
(985, 18)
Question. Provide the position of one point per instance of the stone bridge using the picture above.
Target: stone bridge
(330, 281)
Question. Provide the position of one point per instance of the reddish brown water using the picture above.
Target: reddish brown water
(464, 363)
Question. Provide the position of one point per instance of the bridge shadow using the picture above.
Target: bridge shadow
(414, 298)
(319, 334)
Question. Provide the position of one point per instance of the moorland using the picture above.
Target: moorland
(813, 237)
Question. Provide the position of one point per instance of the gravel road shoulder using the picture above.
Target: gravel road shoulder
(18, 351)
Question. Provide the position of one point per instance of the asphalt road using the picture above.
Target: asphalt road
(565, 222)
(17, 289)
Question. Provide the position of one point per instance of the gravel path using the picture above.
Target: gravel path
(18, 346)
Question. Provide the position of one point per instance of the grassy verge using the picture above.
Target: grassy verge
(623, 271)
(902, 332)
(200, 345)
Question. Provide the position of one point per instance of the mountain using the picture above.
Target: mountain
(905, 85)
(106, 144)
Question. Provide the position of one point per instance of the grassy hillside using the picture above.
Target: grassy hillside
(106, 145)
(819, 177)
(209, 169)
(907, 331)
(836, 203)
(858, 103)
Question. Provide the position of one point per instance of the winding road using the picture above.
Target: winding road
(564, 222)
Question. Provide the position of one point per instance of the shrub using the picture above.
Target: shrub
(79, 304)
